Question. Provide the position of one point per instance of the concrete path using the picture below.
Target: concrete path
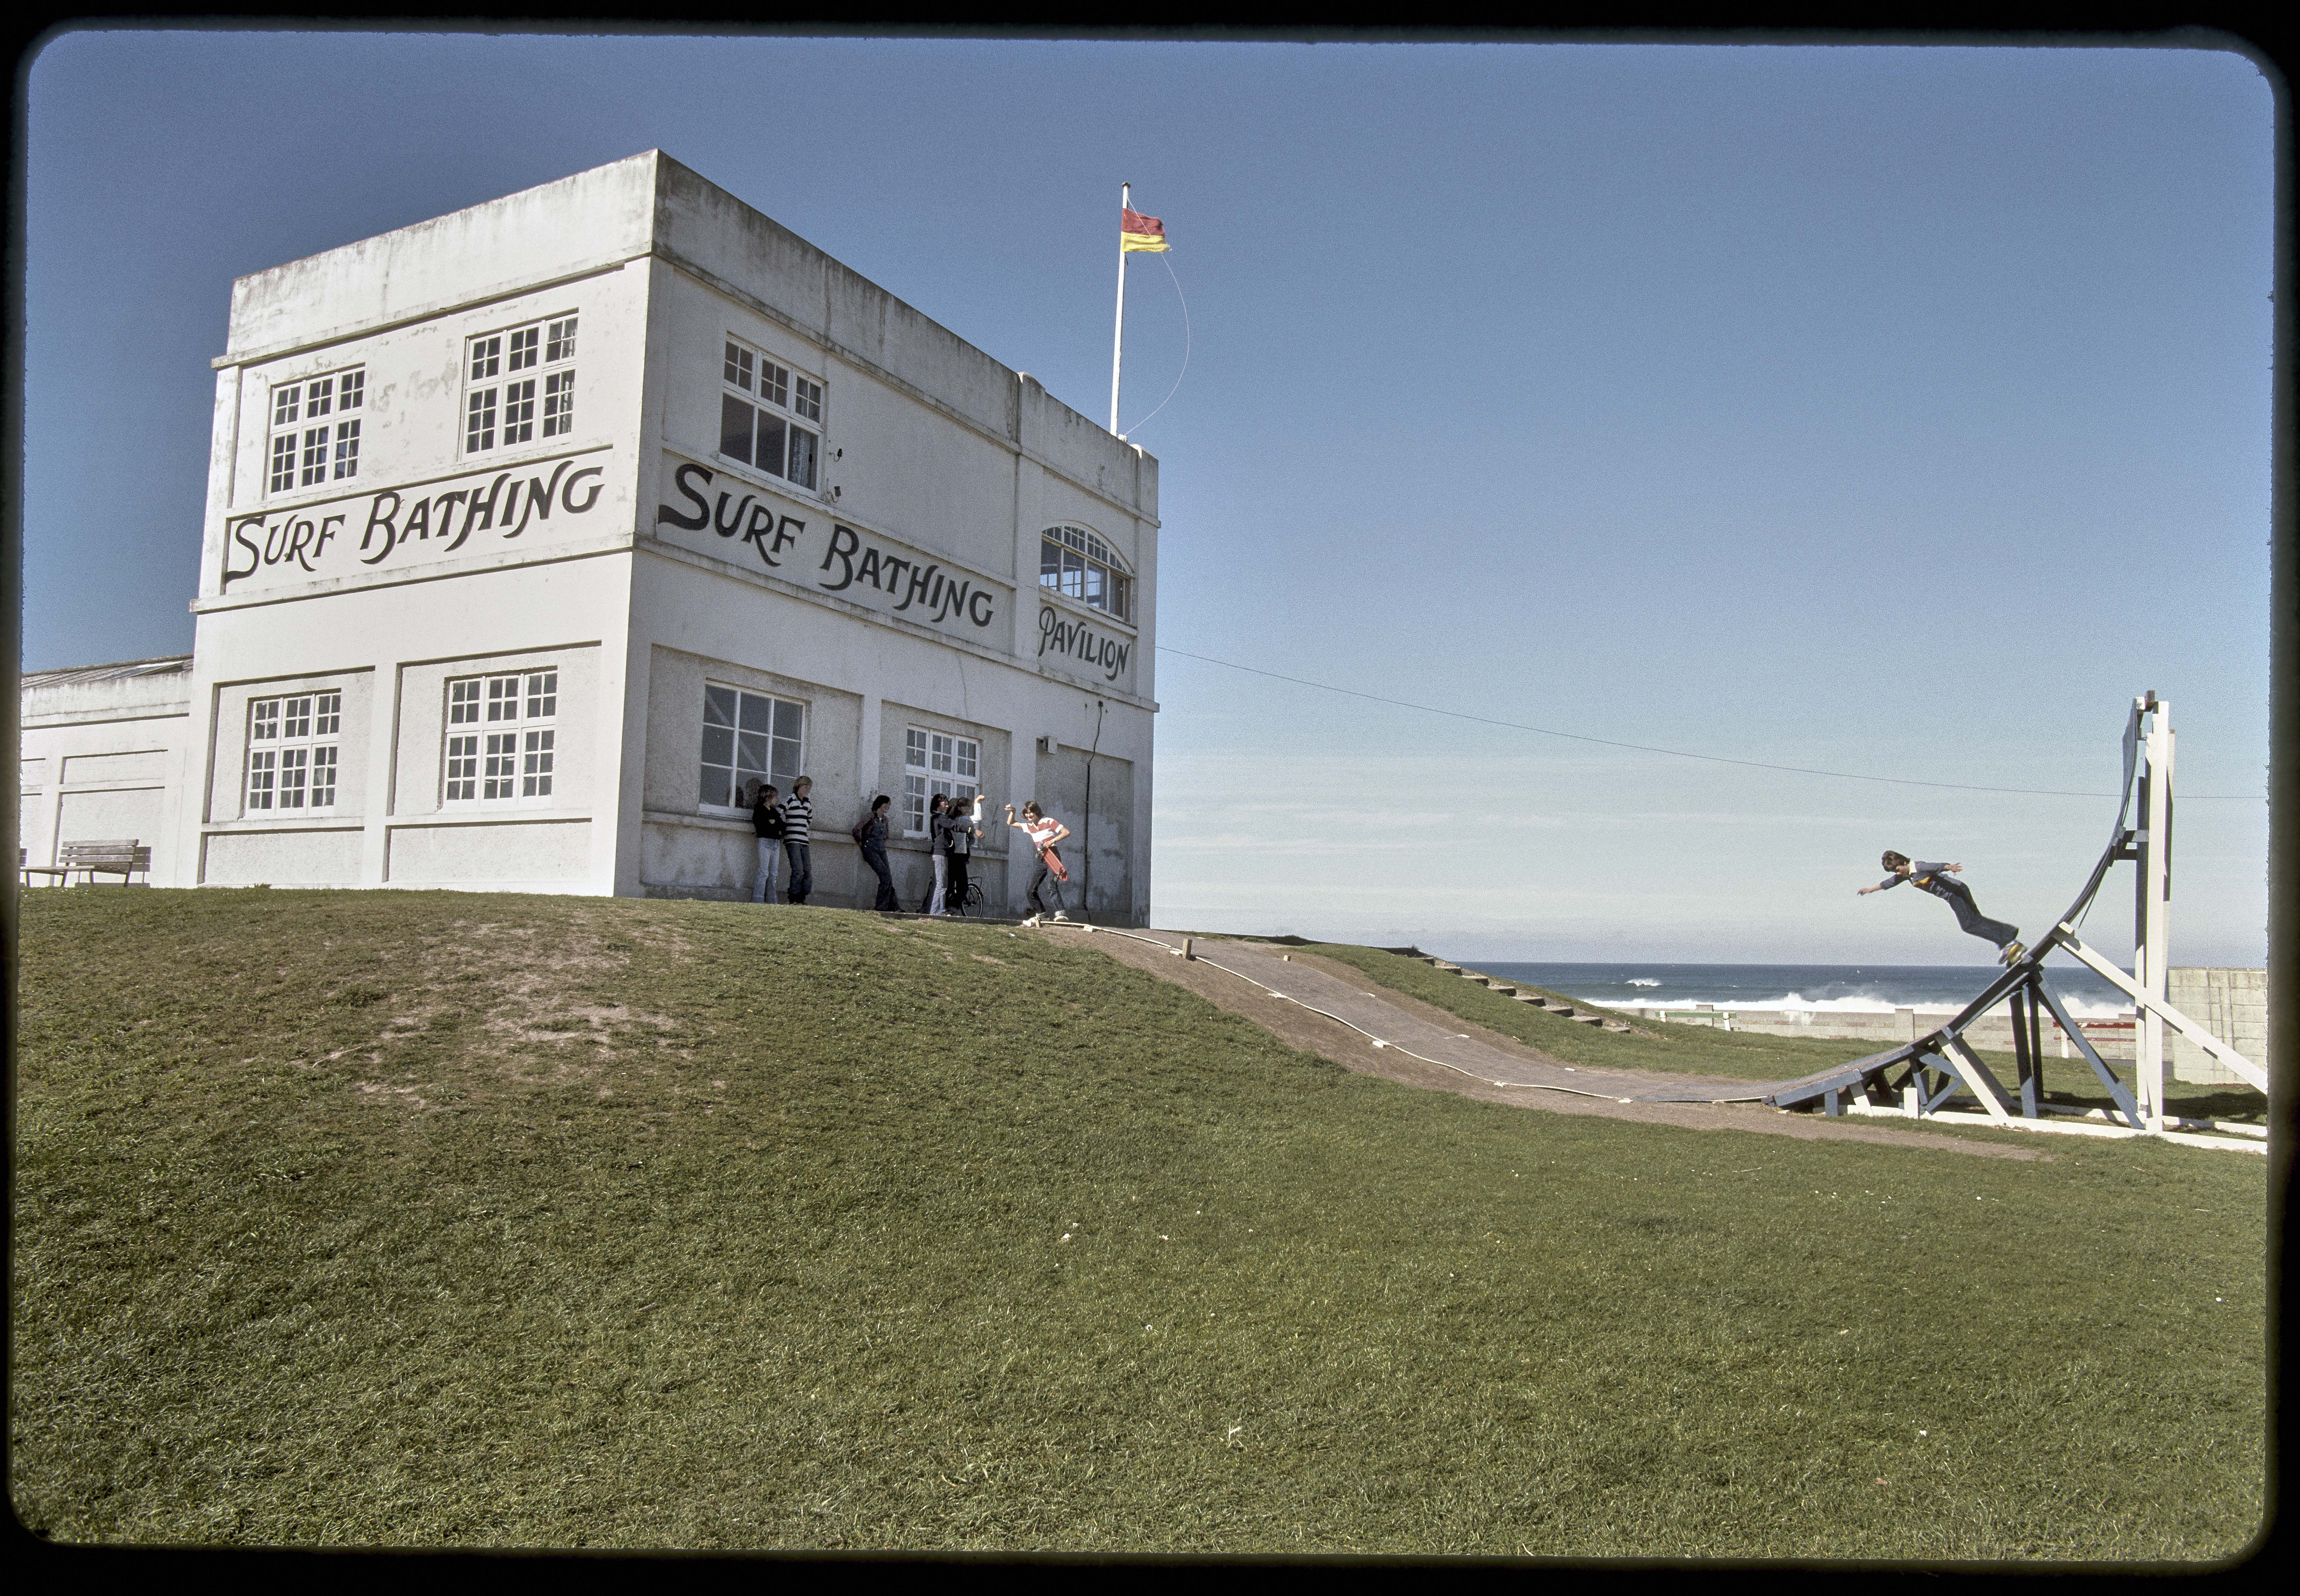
(1324, 1007)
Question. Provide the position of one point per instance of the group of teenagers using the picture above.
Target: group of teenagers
(785, 828)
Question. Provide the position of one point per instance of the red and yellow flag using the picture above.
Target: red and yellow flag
(1140, 233)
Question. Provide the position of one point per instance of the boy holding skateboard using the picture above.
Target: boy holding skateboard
(1043, 834)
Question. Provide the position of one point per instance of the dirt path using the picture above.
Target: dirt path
(1298, 1027)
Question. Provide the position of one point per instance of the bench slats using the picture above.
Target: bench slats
(123, 856)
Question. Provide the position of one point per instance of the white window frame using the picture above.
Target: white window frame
(935, 761)
(312, 437)
(293, 739)
(1079, 563)
(759, 387)
(742, 764)
(519, 385)
(499, 742)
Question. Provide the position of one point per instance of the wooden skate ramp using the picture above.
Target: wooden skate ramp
(1323, 1007)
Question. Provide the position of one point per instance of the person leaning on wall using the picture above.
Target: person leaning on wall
(871, 834)
(798, 823)
(767, 820)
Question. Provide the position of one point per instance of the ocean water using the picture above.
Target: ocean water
(1942, 989)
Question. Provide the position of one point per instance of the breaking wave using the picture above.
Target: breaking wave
(1868, 1003)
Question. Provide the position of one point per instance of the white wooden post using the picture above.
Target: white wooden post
(1967, 1064)
(2152, 931)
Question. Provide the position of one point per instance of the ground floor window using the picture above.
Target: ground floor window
(936, 762)
(502, 737)
(292, 752)
(746, 738)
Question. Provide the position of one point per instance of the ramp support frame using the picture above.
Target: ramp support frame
(1938, 1066)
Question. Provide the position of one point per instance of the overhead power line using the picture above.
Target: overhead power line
(1800, 770)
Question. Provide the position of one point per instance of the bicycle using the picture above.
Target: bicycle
(971, 902)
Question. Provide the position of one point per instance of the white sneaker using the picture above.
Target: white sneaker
(1033, 919)
(1060, 915)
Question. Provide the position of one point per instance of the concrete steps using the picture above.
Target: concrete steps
(1563, 1011)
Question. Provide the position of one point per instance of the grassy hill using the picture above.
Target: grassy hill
(440, 1219)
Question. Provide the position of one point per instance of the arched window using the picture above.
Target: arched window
(1079, 564)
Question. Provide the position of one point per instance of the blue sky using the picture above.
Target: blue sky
(1901, 412)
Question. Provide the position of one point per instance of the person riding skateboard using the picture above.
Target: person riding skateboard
(1936, 880)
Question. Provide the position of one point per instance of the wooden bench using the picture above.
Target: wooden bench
(120, 857)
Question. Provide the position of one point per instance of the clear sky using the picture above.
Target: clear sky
(1901, 412)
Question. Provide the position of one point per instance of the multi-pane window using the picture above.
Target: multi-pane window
(760, 404)
(936, 762)
(292, 747)
(502, 736)
(746, 738)
(315, 430)
(502, 372)
(1078, 564)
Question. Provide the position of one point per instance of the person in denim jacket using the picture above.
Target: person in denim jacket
(1936, 880)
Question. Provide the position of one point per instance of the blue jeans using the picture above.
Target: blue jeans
(1972, 921)
(1046, 879)
(763, 885)
(876, 858)
(802, 876)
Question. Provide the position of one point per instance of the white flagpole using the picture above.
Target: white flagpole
(1118, 336)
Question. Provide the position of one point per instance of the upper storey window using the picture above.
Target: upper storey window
(506, 373)
(764, 412)
(315, 430)
(1078, 564)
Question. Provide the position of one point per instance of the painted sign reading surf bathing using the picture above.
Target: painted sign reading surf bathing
(799, 543)
(1074, 640)
(422, 523)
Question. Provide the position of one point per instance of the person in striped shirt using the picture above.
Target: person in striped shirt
(798, 816)
(1043, 834)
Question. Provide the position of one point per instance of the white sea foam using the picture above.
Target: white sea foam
(1643, 980)
(1868, 1003)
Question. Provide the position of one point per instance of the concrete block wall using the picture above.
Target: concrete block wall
(2230, 1004)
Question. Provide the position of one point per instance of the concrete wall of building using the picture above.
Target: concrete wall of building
(392, 651)
(901, 589)
(422, 503)
(502, 249)
(862, 686)
(1099, 853)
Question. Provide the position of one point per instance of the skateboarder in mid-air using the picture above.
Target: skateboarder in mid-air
(1935, 879)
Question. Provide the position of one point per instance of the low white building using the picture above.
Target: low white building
(534, 531)
(102, 756)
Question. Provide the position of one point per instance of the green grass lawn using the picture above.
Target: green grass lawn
(481, 1220)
